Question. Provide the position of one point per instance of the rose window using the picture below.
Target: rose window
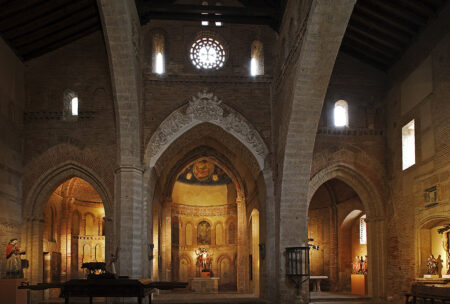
(207, 53)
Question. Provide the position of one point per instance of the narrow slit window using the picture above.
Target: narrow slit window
(71, 106)
(218, 23)
(158, 54)
(159, 64)
(257, 59)
(408, 145)
(74, 106)
(362, 230)
(341, 114)
(205, 22)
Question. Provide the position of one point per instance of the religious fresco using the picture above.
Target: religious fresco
(204, 233)
(204, 172)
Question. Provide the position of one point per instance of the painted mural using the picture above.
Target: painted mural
(204, 172)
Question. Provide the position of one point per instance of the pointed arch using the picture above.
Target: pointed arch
(40, 191)
(373, 206)
(205, 107)
(34, 207)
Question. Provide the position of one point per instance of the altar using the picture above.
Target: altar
(204, 285)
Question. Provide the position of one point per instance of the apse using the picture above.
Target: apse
(204, 215)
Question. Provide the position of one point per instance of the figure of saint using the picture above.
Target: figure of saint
(356, 265)
(13, 260)
(432, 265)
(364, 266)
(203, 259)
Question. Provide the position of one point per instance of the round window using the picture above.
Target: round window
(207, 53)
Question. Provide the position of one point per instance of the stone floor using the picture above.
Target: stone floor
(229, 298)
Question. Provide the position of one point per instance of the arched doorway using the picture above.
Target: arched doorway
(74, 230)
(337, 225)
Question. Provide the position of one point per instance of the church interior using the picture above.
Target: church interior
(272, 151)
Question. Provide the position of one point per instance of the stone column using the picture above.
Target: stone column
(242, 247)
(128, 220)
(317, 41)
(376, 254)
(121, 29)
(66, 237)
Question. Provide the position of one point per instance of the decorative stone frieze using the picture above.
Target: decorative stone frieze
(205, 107)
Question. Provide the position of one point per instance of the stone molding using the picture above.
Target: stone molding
(205, 107)
(366, 191)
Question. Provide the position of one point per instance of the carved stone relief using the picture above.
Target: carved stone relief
(205, 107)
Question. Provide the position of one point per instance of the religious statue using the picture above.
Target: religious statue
(364, 266)
(356, 266)
(13, 260)
(432, 265)
(359, 265)
(203, 259)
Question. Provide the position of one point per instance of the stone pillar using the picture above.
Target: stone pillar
(318, 40)
(376, 254)
(121, 29)
(242, 247)
(333, 248)
(66, 237)
(166, 242)
(128, 220)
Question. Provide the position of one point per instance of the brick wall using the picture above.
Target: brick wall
(12, 98)
(90, 140)
(248, 95)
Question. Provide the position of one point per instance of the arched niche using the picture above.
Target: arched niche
(34, 215)
(430, 242)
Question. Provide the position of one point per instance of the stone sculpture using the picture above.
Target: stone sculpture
(13, 260)
(432, 265)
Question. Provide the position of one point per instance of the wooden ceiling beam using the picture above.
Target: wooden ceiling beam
(390, 7)
(383, 18)
(380, 65)
(199, 9)
(370, 45)
(31, 14)
(15, 7)
(377, 38)
(418, 7)
(59, 43)
(373, 25)
(78, 7)
(364, 52)
(262, 20)
(88, 17)
(59, 35)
